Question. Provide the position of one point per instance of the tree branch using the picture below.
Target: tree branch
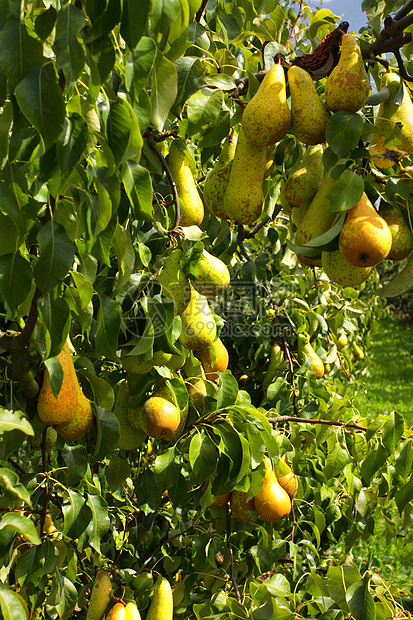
(289, 418)
(231, 553)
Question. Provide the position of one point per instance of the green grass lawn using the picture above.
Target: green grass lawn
(389, 385)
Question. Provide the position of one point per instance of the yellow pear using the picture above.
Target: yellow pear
(197, 391)
(402, 238)
(158, 417)
(286, 478)
(272, 502)
(365, 238)
(58, 410)
(165, 390)
(347, 86)
(340, 271)
(100, 596)
(309, 115)
(161, 606)
(384, 156)
(198, 324)
(302, 185)
(214, 359)
(357, 350)
(305, 347)
(241, 509)
(190, 204)
(130, 438)
(267, 118)
(83, 417)
(117, 612)
(131, 611)
(211, 275)
(174, 282)
(391, 113)
(244, 198)
(317, 220)
(217, 180)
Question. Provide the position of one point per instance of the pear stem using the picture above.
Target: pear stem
(231, 553)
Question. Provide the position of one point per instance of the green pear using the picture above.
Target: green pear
(391, 113)
(211, 275)
(267, 118)
(276, 359)
(100, 596)
(175, 284)
(130, 437)
(365, 238)
(340, 271)
(161, 605)
(242, 510)
(217, 180)
(244, 198)
(198, 324)
(309, 115)
(197, 390)
(317, 220)
(136, 364)
(37, 439)
(402, 238)
(347, 86)
(190, 203)
(305, 348)
(302, 185)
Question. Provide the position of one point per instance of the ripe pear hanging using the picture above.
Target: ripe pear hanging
(190, 204)
(302, 185)
(174, 282)
(267, 117)
(198, 324)
(244, 198)
(402, 238)
(365, 239)
(272, 502)
(161, 606)
(212, 276)
(347, 86)
(309, 115)
(340, 271)
(62, 409)
(214, 359)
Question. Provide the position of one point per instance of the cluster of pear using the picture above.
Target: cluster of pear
(70, 412)
(273, 502)
(367, 237)
(160, 416)
(101, 597)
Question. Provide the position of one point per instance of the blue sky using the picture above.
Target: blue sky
(350, 9)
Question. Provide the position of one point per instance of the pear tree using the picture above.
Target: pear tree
(184, 321)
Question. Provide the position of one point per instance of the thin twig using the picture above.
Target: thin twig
(201, 11)
(291, 367)
(300, 10)
(152, 145)
(231, 553)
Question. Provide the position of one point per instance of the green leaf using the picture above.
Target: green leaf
(404, 495)
(190, 73)
(203, 108)
(45, 22)
(108, 326)
(63, 596)
(123, 133)
(55, 372)
(134, 16)
(55, 315)
(13, 606)
(108, 434)
(380, 97)
(138, 187)
(6, 119)
(360, 600)
(70, 56)
(337, 458)
(100, 519)
(72, 142)
(102, 390)
(23, 525)
(393, 431)
(77, 515)
(139, 66)
(14, 420)
(15, 278)
(373, 462)
(167, 469)
(40, 99)
(164, 90)
(20, 52)
(278, 585)
(346, 192)
(148, 494)
(55, 257)
(203, 455)
(15, 200)
(163, 14)
(227, 390)
(343, 132)
(76, 459)
(117, 472)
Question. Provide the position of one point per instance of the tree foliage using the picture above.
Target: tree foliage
(92, 96)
